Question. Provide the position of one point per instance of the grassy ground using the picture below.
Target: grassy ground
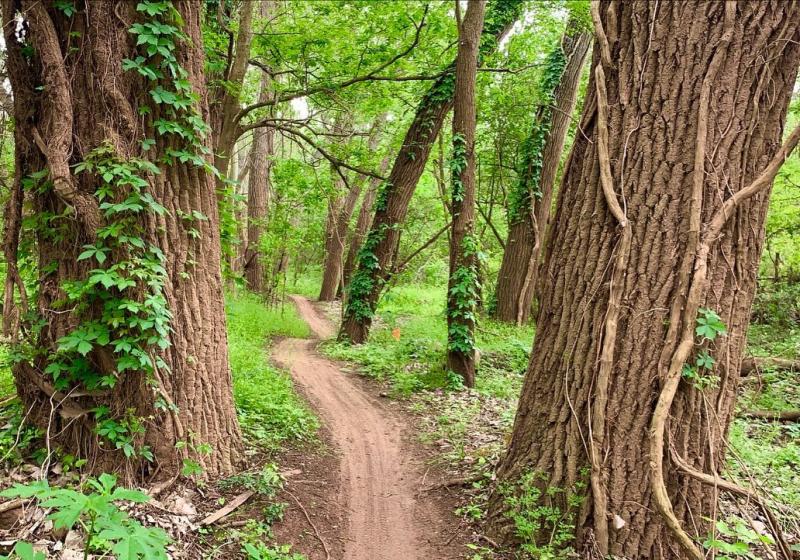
(270, 412)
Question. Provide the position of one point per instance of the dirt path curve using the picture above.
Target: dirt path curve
(378, 478)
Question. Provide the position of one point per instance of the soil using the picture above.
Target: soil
(368, 496)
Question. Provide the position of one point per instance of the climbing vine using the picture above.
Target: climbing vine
(528, 185)
(463, 294)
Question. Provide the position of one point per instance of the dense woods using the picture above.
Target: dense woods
(479, 279)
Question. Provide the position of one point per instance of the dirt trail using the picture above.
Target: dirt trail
(379, 478)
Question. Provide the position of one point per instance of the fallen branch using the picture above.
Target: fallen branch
(229, 507)
(311, 523)
(12, 505)
(750, 365)
(776, 415)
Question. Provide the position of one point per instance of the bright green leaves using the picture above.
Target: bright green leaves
(83, 339)
(709, 325)
(107, 528)
(99, 253)
(24, 551)
(700, 374)
(155, 8)
(157, 39)
(362, 284)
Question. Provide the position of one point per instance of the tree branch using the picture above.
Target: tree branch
(373, 75)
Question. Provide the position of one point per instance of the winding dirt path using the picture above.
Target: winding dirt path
(379, 478)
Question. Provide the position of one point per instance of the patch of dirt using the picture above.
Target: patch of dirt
(312, 479)
(384, 493)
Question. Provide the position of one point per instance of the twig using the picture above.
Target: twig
(12, 505)
(229, 507)
(308, 518)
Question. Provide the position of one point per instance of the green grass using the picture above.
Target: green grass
(408, 342)
(270, 412)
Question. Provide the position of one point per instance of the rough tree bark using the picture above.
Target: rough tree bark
(462, 286)
(516, 280)
(259, 188)
(379, 250)
(695, 113)
(71, 97)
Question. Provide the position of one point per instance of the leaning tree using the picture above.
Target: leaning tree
(123, 353)
(651, 272)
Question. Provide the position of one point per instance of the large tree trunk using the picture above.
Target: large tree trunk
(73, 101)
(462, 286)
(532, 199)
(379, 250)
(258, 193)
(694, 115)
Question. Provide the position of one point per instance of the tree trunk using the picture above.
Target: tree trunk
(380, 246)
(225, 105)
(694, 115)
(363, 223)
(462, 286)
(75, 104)
(339, 223)
(529, 210)
(258, 193)
(339, 212)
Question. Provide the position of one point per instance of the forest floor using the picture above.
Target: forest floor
(382, 484)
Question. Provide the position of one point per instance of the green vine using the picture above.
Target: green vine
(458, 163)
(463, 295)
(699, 374)
(363, 281)
(528, 185)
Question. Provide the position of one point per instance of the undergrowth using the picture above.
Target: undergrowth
(408, 341)
(270, 412)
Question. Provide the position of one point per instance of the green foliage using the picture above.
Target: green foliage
(530, 172)
(709, 325)
(94, 509)
(462, 298)
(777, 304)
(458, 164)
(362, 284)
(270, 412)
(24, 551)
(734, 538)
(260, 551)
(266, 482)
(543, 517)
